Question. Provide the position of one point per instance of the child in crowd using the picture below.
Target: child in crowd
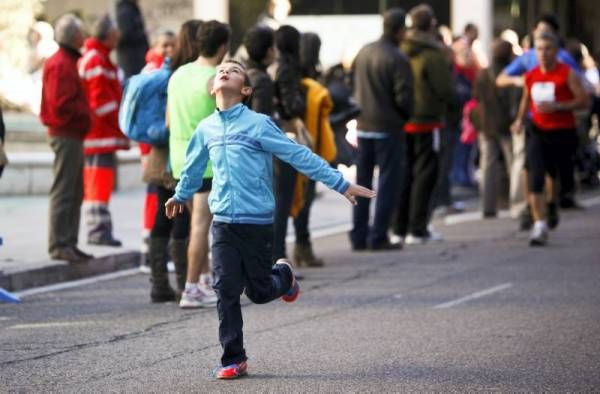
(241, 143)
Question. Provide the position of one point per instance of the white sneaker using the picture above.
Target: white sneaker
(396, 239)
(539, 234)
(414, 240)
(209, 293)
(197, 298)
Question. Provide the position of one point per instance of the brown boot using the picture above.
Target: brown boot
(304, 256)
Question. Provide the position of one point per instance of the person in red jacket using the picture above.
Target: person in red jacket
(103, 88)
(65, 110)
(552, 91)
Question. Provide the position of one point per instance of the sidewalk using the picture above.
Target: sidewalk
(24, 261)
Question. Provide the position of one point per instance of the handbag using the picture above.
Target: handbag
(156, 168)
(297, 131)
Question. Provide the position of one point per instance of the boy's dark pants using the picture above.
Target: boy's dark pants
(420, 176)
(241, 256)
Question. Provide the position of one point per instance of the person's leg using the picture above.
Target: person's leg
(490, 152)
(99, 176)
(425, 173)
(536, 168)
(66, 193)
(265, 282)
(161, 290)
(517, 184)
(303, 252)
(364, 177)
(179, 245)
(401, 217)
(229, 284)
(284, 183)
(442, 196)
(198, 248)
(566, 168)
(388, 155)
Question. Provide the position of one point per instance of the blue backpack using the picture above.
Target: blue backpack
(143, 107)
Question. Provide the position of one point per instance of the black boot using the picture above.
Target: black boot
(178, 249)
(161, 290)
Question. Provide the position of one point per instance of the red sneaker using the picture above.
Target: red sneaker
(232, 371)
(294, 291)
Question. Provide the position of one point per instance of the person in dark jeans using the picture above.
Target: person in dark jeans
(66, 113)
(290, 103)
(434, 92)
(383, 87)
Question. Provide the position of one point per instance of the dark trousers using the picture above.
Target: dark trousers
(420, 175)
(386, 153)
(284, 182)
(66, 193)
(552, 153)
(178, 228)
(442, 192)
(302, 220)
(241, 256)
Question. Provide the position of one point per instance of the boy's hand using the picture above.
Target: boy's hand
(516, 127)
(358, 191)
(173, 208)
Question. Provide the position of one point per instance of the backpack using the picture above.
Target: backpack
(143, 107)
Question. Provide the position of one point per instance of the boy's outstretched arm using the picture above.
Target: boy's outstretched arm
(196, 160)
(305, 161)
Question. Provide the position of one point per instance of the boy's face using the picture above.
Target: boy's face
(231, 78)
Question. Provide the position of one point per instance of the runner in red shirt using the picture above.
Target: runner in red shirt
(552, 91)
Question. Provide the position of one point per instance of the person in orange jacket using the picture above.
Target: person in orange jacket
(103, 89)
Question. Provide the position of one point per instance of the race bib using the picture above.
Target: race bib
(543, 92)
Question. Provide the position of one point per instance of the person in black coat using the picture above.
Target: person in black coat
(133, 45)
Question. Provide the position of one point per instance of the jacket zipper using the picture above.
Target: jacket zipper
(227, 168)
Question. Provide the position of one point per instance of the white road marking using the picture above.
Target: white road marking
(5, 318)
(51, 325)
(458, 218)
(397, 296)
(77, 283)
(590, 202)
(474, 296)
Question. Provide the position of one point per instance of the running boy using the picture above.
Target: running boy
(240, 144)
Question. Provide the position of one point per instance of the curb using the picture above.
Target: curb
(62, 271)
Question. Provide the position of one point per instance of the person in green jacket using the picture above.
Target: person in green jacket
(433, 93)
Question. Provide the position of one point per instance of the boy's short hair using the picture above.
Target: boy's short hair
(246, 99)
(211, 36)
(257, 41)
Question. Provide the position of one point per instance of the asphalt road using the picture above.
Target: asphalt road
(479, 312)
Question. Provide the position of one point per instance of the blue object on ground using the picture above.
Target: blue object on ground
(6, 296)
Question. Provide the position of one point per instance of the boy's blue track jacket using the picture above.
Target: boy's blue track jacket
(241, 144)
